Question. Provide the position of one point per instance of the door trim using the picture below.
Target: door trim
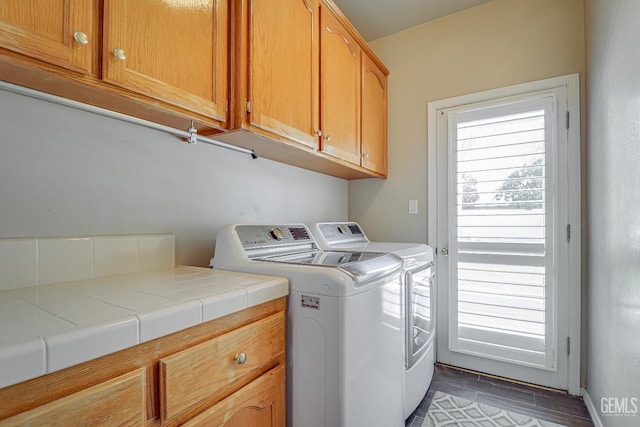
(574, 256)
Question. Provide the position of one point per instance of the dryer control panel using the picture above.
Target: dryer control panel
(347, 232)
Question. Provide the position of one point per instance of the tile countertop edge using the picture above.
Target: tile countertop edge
(22, 361)
(36, 356)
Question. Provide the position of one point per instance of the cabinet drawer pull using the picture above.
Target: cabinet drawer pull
(81, 37)
(241, 358)
(119, 54)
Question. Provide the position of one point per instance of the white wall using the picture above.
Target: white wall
(613, 89)
(496, 44)
(64, 172)
(493, 45)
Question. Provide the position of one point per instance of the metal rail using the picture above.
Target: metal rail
(190, 134)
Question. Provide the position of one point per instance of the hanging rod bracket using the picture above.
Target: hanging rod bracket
(193, 134)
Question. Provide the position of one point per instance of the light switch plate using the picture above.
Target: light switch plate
(413, 207)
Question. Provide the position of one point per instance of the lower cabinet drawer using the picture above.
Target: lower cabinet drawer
(194, 374)
(117, 402)
(260, 404)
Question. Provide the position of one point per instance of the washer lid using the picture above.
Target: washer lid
(362, 266)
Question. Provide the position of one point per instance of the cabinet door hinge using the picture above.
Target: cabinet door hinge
(568, 119)
(568, 232)
(247, 106)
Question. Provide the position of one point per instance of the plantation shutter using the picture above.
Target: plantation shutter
(502, 266)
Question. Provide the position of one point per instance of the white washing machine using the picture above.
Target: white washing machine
(344, 324)
(419, 300)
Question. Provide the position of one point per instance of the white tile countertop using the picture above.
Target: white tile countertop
(50, 327)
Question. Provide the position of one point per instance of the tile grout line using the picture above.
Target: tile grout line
(529, 406)
(509, 380)
(472, 383)
(448, 376)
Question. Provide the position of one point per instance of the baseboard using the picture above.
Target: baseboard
(595, 417)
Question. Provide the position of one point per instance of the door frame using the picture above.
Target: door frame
(573, 255)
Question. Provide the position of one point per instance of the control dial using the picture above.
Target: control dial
(342, 229)
(276, 233)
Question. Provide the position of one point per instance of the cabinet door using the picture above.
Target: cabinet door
(117, 402)
(283, 61)
(259, 404)
(340, 81)
(45, 29)
(173, 51)
(374, 117)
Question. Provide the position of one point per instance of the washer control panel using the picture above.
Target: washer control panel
(276, 233)
(264, 236)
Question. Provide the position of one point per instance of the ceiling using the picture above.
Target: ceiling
(378, 18)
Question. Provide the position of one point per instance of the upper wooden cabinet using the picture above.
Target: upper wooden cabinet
(61, 32)
(290, 79)
(296, 87)
(354, 98)
(174, 51)
(282, 53)
(340, 82)
(374, 116)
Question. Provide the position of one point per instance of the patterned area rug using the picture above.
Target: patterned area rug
(450, 411)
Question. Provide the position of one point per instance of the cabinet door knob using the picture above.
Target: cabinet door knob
(81, 37)
(318, 132)
(327, 138)
(366, 155)
(241, 358)
(119, 54)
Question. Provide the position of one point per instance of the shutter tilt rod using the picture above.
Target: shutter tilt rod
(191, 134)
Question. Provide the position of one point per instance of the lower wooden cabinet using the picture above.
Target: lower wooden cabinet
(118, 402)
(227, 372)
(193, 375)
(259, 404)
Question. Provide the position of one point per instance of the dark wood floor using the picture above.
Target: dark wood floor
(549, 405)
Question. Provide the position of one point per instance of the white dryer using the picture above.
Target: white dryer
(344, 324)
(418, 298)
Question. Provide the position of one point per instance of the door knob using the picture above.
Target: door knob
(81, 37)
(119, 54)
(444, 251)
(241, 358)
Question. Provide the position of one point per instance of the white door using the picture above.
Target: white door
(503, 194)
